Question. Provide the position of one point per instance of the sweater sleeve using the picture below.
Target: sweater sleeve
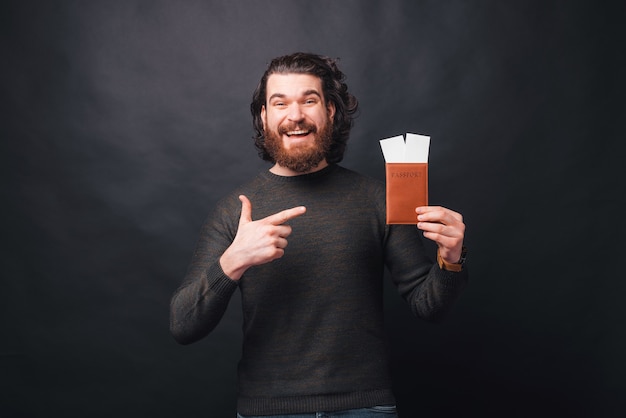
(199, 303)
(430, 291)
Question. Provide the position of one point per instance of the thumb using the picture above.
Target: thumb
(246, 210)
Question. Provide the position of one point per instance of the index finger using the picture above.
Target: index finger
(285, 215)
(421, 210)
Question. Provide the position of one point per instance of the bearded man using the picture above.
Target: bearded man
(313, 335)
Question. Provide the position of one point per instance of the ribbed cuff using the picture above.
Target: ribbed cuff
(314, 403)
(219, 282)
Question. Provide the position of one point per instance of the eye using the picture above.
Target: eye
(310, 101)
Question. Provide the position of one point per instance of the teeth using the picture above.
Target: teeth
(296, 133)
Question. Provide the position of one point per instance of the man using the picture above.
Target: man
(306, 244)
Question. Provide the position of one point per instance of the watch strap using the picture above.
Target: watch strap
(454, 267)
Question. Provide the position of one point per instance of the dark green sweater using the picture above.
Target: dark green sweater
(313, 319)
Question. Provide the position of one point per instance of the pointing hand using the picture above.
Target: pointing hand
(257, 242)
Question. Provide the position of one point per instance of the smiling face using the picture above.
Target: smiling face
(297, 123)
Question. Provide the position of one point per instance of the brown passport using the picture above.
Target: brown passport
(407, 188)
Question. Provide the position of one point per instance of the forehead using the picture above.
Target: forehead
(292, 84)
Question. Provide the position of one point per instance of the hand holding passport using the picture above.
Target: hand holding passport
(406, 171)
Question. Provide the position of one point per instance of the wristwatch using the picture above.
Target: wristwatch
(456, 267)
(463, 256)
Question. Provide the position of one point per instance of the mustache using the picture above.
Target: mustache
(304, 126)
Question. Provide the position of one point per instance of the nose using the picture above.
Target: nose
(295, 113)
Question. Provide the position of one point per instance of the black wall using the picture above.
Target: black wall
(124, 121)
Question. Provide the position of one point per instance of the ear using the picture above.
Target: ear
(263, 114)
(331, 110)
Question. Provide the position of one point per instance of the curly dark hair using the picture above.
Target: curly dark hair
(334, 89)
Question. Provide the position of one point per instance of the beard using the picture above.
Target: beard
(301, 158)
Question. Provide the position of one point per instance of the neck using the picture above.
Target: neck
(287, 172)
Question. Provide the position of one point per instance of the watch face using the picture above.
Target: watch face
(463, 256)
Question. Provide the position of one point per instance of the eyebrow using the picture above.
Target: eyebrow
(306, 93)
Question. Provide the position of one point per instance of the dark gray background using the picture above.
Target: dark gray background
(124, 121)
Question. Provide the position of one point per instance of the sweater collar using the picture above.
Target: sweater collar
(302, 177)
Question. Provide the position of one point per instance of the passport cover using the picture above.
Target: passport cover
(407, 188)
